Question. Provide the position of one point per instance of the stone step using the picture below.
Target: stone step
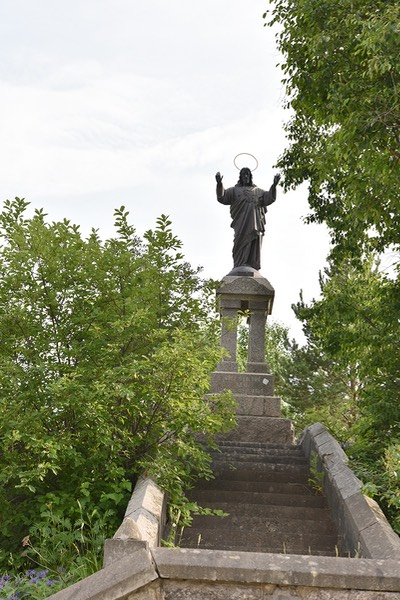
(265, 445)
(255, 541)
(266, 487)
(255, 471)
(264, 524)
(267, 449)
(306, 512)
(260, 457)
(268, 550)
(211, 498)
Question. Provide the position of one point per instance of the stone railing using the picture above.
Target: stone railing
(363, 527)
(136, 568)
(143, 522)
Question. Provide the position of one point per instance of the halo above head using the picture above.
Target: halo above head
(245, 154)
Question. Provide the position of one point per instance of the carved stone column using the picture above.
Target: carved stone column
(256, 353)
(229, 309)
(239, 293)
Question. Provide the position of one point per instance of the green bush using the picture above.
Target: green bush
(105, 355)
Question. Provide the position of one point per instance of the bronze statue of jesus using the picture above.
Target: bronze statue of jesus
(248, 207)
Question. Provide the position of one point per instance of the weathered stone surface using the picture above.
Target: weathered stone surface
(263, 406)
(115, 581)
(117, 549)
(376, 537)
(153, 591)
(148, 525)
(147, 495)
(262, 429)
(190, 590)
(343, 481)
(251, 288)
(128, 530)
(256, 350)
(347, 595)
(363, 526)
(257, 367)
(227, 366)
(279, 569)
(146, 509)
(247, 384)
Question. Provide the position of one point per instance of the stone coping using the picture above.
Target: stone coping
(135, 568)
(143, 522)
(116, 581)
(281, 569)
(362, 525)
(133, 573)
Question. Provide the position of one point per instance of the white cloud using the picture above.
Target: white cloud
(140, 103)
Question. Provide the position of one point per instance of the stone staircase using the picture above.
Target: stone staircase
(278, 539)
(271, 506)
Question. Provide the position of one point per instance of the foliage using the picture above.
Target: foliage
(35, 584)
(61, 551)
(355, 325)
(342, 74)
(316, 477)
(105, 355)
(382, 479)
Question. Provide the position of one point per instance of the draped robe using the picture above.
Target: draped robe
(248, 205)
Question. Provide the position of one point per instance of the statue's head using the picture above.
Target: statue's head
(245, 177)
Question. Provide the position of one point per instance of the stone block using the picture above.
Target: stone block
(117, 549)
(249, 288)
(148, 525)
(227, 365)
(114, 582)
(268, 430)
(376, 537)
(326, 445)
(252, 384)
(343, 481)
(280, 569)
(128, 530)
(153, 591)
(361, 524)
(147, 495)
(146, 508)
(191, 590)
(265, 406)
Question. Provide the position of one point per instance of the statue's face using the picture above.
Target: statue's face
(245, 176)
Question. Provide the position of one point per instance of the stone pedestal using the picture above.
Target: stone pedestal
(258, 411)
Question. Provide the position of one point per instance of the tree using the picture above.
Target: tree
(105, 355)
(355, 325)
(342, 76)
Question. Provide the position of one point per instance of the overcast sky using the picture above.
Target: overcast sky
(106, 103)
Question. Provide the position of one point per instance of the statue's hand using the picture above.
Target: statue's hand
(277, 179)
(219, 177)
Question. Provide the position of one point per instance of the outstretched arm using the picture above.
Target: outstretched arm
(220, 189)
(270, 196)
